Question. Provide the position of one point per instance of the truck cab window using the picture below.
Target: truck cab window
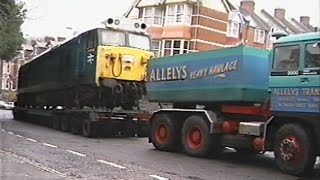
(286, 58)
(312, 56)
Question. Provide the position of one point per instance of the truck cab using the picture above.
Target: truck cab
(295, 76)
(295, 102)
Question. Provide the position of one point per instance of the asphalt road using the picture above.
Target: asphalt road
(29, 151)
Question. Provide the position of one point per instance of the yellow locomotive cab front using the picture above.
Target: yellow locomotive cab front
(122, 63)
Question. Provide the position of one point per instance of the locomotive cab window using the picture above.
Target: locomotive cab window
(111, 37)
(312, 55)
(92, 40)
(286, 58)
(139, 41)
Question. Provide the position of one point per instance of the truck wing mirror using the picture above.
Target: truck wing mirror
(279, 34)
(316, 45)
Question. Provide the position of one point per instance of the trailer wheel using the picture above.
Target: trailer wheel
(18, 115)
(294, 150)
(89, 129)
(163, 133)
(75, 126)
(56, 122)
(197, 140)
(65, 124)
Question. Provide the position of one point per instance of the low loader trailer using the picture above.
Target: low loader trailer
(89, 122)
(248, 99)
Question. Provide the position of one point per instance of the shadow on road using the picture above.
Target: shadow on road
(264, 161)
(235, 160)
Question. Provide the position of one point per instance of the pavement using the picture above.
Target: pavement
(29, 151)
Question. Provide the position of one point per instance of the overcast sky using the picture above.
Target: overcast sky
(51, 17)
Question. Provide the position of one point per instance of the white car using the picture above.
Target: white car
(6, 105)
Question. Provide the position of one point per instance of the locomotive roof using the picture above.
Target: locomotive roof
(68, 40)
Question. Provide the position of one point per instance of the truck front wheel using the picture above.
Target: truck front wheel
(197, 140)
(294, 150)
(163, 133)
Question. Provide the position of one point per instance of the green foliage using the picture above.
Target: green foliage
(12, 16)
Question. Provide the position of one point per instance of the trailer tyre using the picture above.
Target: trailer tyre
(56, 123)
(197, 140)
(163, 135)
(65, 124)
(294, 150)
(89, 129)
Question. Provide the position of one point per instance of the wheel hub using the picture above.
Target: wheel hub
(195, 138)
(162, 134)
(290, 149)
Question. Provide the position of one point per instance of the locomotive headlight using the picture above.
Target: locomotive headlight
(128, 59)
(117, 22)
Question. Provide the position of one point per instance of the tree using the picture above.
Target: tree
(12, 16)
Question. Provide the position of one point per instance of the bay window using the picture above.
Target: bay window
(153, 15)
(156, 47)
(259, 36)
(233, 29)
(173, 47)
(179, 13)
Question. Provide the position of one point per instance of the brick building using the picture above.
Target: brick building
(9, 69)
(183, 26)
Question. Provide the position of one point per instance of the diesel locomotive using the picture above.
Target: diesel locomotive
(102, 67)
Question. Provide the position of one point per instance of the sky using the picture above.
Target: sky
(53, 17)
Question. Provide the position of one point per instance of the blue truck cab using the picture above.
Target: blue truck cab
(295, 101)
(295, 76)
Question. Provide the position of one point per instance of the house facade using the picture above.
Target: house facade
(9, 69)
(184, 26)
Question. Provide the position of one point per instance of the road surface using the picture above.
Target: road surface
(29, 151)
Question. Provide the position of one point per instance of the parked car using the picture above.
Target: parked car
(6, 105)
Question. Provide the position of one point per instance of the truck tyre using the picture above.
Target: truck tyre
(164, 136)
(143, 131)
(197, 140)
(89, 129)
(294, 150)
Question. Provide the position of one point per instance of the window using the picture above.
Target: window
(312, 56)
(153, 15)
(233, 29)
(274, 29)
(179, 13)
(113, 38)
(173, 47)
(147, 15)
(286, 58)
(6, 84)
(139, 41)
(92, 42)
(6, 68)
(259, 36)
(156, 47)
(13, 85)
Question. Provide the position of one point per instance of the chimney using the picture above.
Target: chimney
(60, 39)
(305, 20)
(248, 5)
(279, 13)
(48, 39)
